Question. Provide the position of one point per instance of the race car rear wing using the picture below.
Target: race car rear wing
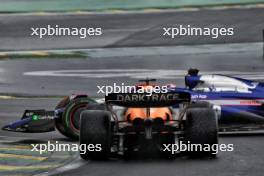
(147, 100)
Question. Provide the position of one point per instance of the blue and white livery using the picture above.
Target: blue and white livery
(236, 100)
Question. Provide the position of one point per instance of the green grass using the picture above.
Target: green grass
(102, 5)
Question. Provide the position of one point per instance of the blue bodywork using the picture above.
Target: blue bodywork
(236, 100)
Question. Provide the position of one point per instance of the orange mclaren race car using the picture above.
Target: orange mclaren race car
(127, 123)
(132, 123)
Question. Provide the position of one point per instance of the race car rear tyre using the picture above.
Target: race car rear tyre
(200, 104)
(71, 116)
(95, 129)
(201, 128)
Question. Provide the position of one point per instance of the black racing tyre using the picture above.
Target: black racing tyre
(58, 121)
(60, 127)
(96, 129)
(71, 116)
(200, 104)
(201, 128)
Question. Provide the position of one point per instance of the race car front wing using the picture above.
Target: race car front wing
(33, 121)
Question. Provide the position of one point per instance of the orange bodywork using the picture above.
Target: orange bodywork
(161, 112)
(132, 113)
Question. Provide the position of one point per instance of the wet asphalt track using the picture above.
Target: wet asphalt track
(13, 80)
(122, 30)
(247, 159)
(130, 30)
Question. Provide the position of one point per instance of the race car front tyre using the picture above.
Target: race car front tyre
(71, 116)
(201, 130)
(95, 130)
(58, 121)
